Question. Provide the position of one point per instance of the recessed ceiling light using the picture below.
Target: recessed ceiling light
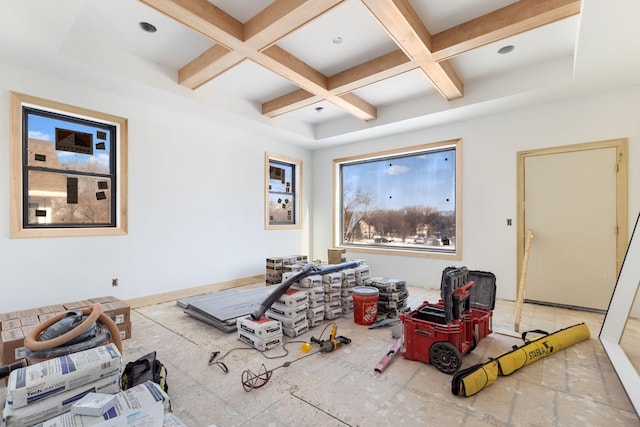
(505, 49)
(149, 28)
(337, 40)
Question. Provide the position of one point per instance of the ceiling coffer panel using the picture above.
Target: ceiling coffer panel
(260, 40)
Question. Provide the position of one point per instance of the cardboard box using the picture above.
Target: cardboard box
(27, 313)
(103, 300)
(10, 341)
(292, 268)
(8, 316)
(44, 317)
(10, 324)
(337, 256)
(56, 308)
(117, 312)
(26, 330)
(42, 380)
(72, 306)
(42, 310)
(289, 259)
(274, 262)
(125, 330)
(85, 303)
(119, 303)
(29, 321)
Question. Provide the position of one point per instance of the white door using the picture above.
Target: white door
(570, 205)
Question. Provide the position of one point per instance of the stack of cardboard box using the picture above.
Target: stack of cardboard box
(276, 266)
(337, 255)
(14, 326)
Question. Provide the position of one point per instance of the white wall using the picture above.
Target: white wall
(196, 206)
(489, 147)
(196, 195)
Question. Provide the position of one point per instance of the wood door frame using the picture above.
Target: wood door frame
(622, 184)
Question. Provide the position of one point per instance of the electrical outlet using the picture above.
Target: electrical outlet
(114, 282)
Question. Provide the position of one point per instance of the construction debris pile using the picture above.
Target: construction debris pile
(47, 393)
(306, 303)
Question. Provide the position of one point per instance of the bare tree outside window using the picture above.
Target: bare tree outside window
(401, 201)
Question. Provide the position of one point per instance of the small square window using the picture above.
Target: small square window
(282, 195)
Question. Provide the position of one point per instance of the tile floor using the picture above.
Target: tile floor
(574, 387)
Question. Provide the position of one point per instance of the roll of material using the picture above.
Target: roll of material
(472, 380)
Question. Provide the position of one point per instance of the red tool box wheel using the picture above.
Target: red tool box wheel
(446, 357)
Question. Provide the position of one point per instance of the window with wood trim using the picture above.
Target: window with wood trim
(68, 170)
(401, 201)
(282, 195)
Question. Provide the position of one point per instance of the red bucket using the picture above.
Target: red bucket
(365, 305)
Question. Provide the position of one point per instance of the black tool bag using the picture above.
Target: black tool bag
(147, 368)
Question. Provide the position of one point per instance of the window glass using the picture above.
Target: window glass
(400, 201)
(69, 177)
(283, 191)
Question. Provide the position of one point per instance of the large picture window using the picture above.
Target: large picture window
(69, 163)
(282, 196)
(401, 201)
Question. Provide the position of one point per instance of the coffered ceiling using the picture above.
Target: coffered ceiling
(323, 72)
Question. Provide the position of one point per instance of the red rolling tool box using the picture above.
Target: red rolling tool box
(441, 333)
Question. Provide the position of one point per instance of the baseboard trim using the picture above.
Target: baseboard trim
(197, 290)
